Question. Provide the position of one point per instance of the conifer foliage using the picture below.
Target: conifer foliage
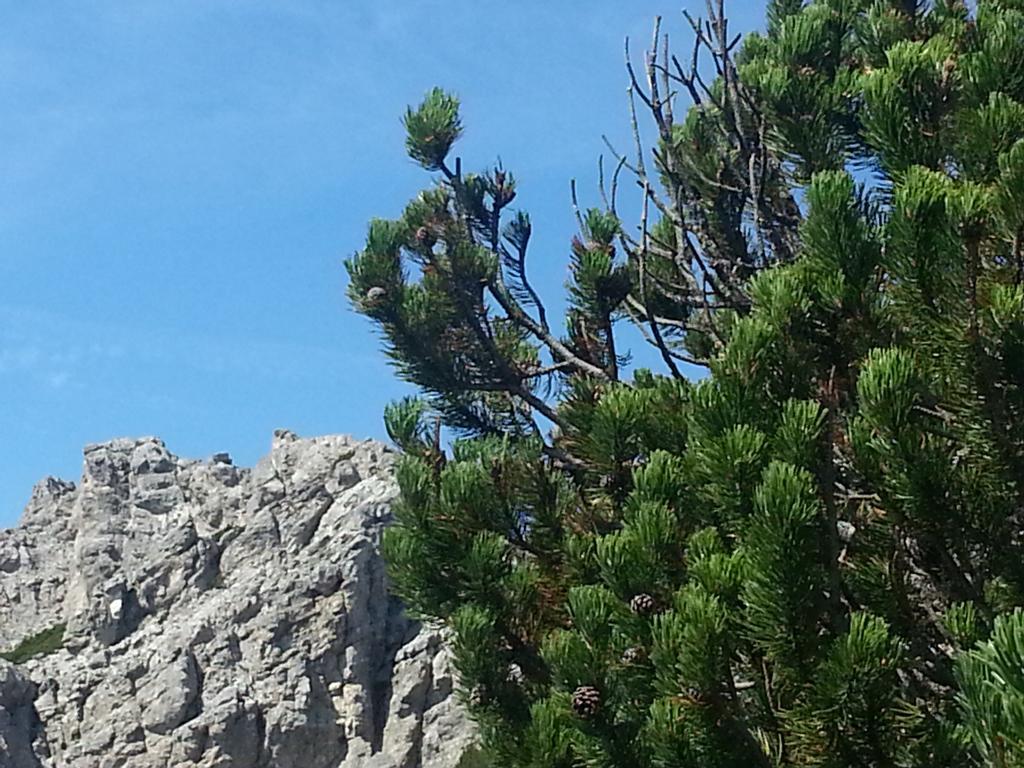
(812, 556)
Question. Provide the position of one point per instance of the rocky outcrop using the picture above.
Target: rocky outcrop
(19, 722)
(219, 617)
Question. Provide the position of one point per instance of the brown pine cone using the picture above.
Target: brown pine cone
(478, 696)
(425, 237)
(375, 295)
(586, 701)
(642, 604)
(633, 655)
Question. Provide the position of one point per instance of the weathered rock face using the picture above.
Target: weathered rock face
(19, 722)
(219, 617)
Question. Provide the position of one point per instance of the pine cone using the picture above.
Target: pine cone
(633, 655)
(425, 237)
(478, 696)
(642, 604)
(586, 701)
(846, 531)
(375, 294)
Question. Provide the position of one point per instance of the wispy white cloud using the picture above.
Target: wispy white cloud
(35, 361)
(58, 379)
(62, 352)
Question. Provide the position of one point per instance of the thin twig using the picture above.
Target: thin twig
(576, 205)
(655, 330)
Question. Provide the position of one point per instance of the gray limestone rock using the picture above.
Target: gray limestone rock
(219, 617)
(18, 719)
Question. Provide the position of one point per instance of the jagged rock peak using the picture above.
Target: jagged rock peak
(218, 616)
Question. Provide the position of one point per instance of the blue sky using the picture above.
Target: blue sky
(181, 180)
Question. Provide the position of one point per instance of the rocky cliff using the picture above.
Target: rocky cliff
(217, 616)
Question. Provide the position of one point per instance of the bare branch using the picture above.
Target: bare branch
(576, 205)
(638, 143)
(638, 320)
(558, 350)
(655, 330)
(638, 305)
(545, 370)
(655, 100)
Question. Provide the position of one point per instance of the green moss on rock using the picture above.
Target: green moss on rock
(39, 644)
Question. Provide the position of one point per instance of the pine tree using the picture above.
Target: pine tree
(813, 555)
